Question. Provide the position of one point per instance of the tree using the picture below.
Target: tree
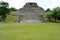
(53, 14)
(4, 10)
(48, 15)
(48, 10)
(4, 4)
(13, 9)
(56, 13)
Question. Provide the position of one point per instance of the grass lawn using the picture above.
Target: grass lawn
(30, 31)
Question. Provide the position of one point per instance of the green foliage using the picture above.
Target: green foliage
(11, 18)
(48, 10)
(4, 4)
(48, 15)
(13, 9)
(4, 10)
(53, 14)
(56, 13)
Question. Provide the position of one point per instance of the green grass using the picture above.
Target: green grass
(11, 18)
(30, 31)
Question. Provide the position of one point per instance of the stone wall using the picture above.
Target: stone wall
(31, 12)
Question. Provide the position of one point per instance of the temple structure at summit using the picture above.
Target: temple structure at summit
(31, 12)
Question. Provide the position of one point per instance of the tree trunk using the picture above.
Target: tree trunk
(55, 20)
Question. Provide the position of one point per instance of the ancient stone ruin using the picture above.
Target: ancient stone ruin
(31, 12)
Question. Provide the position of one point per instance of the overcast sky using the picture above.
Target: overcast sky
(42, 3)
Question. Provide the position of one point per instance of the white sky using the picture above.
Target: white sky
(42, 3)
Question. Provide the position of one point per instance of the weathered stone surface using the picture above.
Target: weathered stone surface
(31, 12)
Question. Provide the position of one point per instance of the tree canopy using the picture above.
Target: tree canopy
(53, 14)
(4, 10)
(13, 9)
